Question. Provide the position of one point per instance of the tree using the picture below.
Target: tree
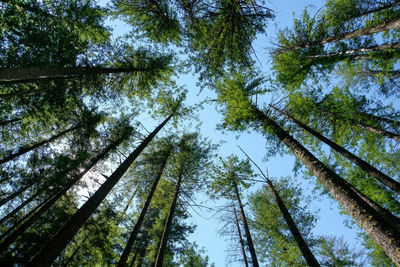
(240, 111)
(160, 156)
(304, 248)
(49, 252)
(190, 161)
(231, 174)
(383, 178)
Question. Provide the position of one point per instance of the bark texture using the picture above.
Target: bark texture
(385, 235)
(365, 166)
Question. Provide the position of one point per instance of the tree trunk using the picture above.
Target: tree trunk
(301, 243)
(3, 123)
(385, 235)
(240, 238)
(51, 200)
(23, 75)
(394, 24)
(391, 25)
(168, 223)
(23, 204)
(304, 248)
(246, 228)
(365, 166)
(60, 240)
(78, 248)
(23, 150)
(16, 193)
(132, 237)
(372, 129)
(390, 73)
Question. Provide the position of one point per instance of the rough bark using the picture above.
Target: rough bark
(240, 238)
(124, 257)
(384, 234)
(23, 150)
(60, 240)
(365, 166)
(246, 228)
(168, 223)
(22, 75)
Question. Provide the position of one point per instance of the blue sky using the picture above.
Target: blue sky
(330, 222)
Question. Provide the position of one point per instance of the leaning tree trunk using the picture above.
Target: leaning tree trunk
(3, 123)
(124, 257)
(384, 234)
(23, 75)
(240, 238)
(391, 25)
(304, 248)
(44, 206)
(372, 129)
(16, 193)
(246, 228)
(365, 166)
(373, 73)
(26, 149)
(301, 243)
(168, 223)
(60, 240)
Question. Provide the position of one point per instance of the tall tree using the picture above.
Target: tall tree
(304, 248)
(227, 178)
(50, 252)
(159, 157)
(383, 178)
(240, 112)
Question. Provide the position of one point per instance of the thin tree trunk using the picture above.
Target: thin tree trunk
(23, 204)
(372, 129)
(394, 24)
(305, 249)
(22, 75)
(168, 223)
(50, 201)
(23, 150)
(385, 235)
(77, 249)
(2, 123)
(246, 228)
(132, 238)
(365, 166)
(358, 54)
(121, 217)
(240, 238)
(301, 243)
(390, 73)
(56, 245)
(16, 193)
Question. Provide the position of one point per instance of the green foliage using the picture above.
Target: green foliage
(274, 242)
